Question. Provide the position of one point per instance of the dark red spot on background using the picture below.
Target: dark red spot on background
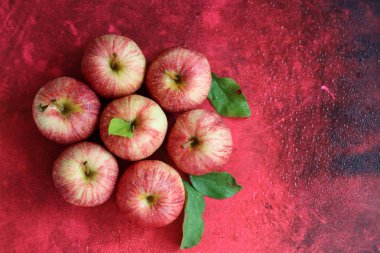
(308, 158)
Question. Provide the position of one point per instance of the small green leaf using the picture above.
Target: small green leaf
(217, 185)
(193, 224)
(226, 97)
(120, 127)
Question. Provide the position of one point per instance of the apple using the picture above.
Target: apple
(151, 192)
(179, 79)
(85, 174)
(66, 110)
(148, 124)
(114, 66)
(199, 142)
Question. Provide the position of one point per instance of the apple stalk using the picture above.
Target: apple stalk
(57, 104)
(176, 77)
(113, 63)
(86, 168)
(191, 142)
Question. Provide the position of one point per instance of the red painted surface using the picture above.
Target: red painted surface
(308, 158)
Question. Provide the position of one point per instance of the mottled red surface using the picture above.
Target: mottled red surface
(308, 158)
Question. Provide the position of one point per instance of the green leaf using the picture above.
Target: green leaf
(193, 224)
(120, 127)
(217, 185)
(226, 97)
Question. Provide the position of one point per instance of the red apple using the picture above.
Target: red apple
(199, 142)
(114, 66)
(85, 174)
(179, 79)
(148, 123)
(151, 192)
(66, 110)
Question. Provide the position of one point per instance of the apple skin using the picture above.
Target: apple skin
(72, 117)
(193, 74)
(151, 192)
(114, 66)
(199, 142)
(79, 188)
(150, 129)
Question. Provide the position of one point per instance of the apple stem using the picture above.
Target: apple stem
(42, 108)
(59, 106)
(190, 142)
(151, 199)
(133, 125)
(113, 61)
(86, 168)
(173, 76)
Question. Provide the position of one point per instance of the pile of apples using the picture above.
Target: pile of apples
(132, 127)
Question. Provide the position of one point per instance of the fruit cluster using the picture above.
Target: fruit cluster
(132, 127)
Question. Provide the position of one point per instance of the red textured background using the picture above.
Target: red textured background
(308, 158)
